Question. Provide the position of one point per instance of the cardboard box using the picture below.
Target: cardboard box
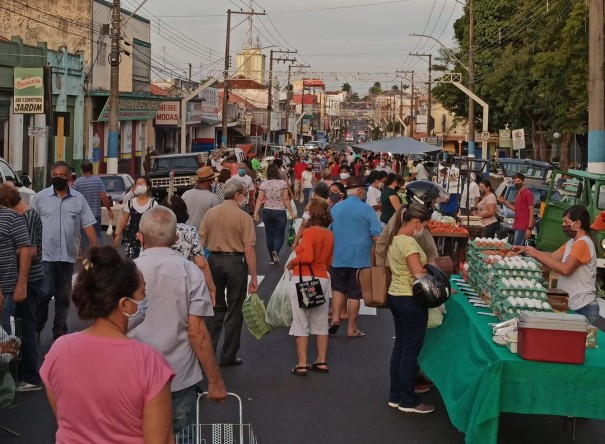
(552, 337)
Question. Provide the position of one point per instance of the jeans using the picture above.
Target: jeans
(492, 229)
(9, 310)
(275, 229)
(519, 238)
(84, 241)
(183, 409)
(230, 273)
(410, 326)
(26, 311)
(308, 194)
(57, 283)
(590, 312)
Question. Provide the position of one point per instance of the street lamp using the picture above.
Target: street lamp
(555, 145)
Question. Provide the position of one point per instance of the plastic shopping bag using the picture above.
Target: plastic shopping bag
(293, 205)
(254, 315)
(435, 316)
(279, 308)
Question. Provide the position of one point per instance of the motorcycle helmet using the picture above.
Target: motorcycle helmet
(425, 192)
(431, 290)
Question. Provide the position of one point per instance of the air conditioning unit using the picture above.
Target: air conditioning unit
(104, 29)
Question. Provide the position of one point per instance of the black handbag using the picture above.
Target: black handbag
(309, 293)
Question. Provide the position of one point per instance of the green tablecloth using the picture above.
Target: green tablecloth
(478, 379)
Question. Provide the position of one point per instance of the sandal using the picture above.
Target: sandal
(358, 334)
(298, 370)
(315, 367)
(333, 329)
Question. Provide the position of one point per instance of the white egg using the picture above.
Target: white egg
(538, 285)
(546, 306)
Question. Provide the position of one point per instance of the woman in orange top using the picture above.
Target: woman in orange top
(313, 257)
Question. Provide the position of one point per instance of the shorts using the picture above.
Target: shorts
(306, 321)
(344, 280)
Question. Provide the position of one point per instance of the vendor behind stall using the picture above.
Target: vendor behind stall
(575, 262)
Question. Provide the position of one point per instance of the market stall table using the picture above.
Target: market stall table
(478, 379)
(452, 244)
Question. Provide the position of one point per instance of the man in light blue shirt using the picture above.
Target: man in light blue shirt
(63, 212)
(356, 227)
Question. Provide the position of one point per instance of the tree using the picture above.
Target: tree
(532, 70)
(346, 87)
(376, 89)
(395, 88)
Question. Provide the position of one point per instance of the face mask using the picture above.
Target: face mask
(242, 172)
(334, 197)
(518, 186)
(138, 316)
(59, 183)
(569, 232)
(418, 234)
(140, 190)
(344, 175)
(382, 164)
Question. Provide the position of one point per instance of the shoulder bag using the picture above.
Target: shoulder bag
(309, 293)
(374, 283)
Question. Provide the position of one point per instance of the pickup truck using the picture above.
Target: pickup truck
(174, 173)
(22, 184)
(568, 188)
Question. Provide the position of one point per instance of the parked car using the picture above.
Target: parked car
(117, 185)
(23, 183)
(183, 169)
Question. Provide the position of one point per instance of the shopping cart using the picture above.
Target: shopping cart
(217, 433)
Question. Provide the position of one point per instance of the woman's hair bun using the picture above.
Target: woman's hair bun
(105, 256)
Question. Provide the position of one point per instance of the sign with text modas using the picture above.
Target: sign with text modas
(28, 91)
(168, 113)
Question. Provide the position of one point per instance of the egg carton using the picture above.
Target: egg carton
(526, 304)
(489, 244)
(516, 272)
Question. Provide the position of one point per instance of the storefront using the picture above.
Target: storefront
(167, 132)
(135, 118)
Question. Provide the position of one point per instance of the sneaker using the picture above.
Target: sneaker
(275, 257)
(421, 388)
(27, 387)
(420, 408)
(395, 405)
(422, 379)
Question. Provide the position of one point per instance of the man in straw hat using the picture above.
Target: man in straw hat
(200, 199)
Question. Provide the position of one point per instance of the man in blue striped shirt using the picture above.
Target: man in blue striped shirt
(93, 190)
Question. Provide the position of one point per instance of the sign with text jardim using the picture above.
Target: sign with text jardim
(28, 91)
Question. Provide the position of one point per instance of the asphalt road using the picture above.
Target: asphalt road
(348, 405)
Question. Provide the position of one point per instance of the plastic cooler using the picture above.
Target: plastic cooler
(552, 337)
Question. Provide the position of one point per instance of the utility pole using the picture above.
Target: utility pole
(226, 72)
(411, 98)
(289, 96)
(114, 90)
(471, 78)
(270, 93)
(596, 88)
(302, 112)
(429, 103)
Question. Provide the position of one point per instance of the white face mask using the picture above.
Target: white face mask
(138, 316)
(140, 190)
(344, 175)
(382, 164)
(418, 234)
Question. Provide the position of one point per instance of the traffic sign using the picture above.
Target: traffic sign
(504, 138)
(518, 139)
(485, 136)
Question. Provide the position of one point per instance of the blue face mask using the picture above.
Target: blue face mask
(242, 172)
(135, 319)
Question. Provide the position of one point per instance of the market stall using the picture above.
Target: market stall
(478, 378)
(478, 372)
(450, 238)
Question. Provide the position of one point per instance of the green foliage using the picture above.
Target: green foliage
(531, 65)
(346, 87)
(376, 89)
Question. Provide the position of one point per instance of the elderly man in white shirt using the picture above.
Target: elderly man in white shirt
(174, 322)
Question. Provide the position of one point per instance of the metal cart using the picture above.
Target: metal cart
(217, 433)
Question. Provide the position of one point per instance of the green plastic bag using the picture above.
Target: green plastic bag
(279, 308)
(291, 234)
(254, 315)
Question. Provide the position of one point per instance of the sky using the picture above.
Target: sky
(354, 41)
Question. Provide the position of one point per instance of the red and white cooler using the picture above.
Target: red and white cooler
(552, 337)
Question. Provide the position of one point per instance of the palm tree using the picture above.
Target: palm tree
(346, 87)
(376, 89)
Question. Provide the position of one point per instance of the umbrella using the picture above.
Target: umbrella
(397, 145)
